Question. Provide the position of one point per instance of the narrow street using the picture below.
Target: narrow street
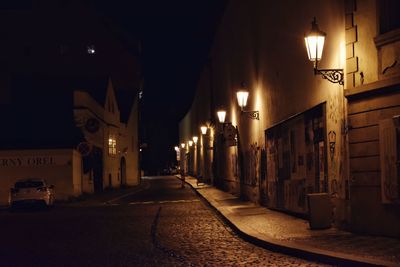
(161, 225)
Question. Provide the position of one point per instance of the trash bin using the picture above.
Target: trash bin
(320, 210)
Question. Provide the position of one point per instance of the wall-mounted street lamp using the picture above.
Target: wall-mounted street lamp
(190, 143)
(242, 96)
(178, 154)
(195, 139)
(221, 116)
(315, 44)
(203, 129)
(183, 145)
(228, 131)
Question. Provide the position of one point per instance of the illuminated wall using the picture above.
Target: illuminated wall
(373, 45)
(262, 44)
(60, 168)
(259, 46)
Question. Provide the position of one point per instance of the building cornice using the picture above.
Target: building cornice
(372, 87)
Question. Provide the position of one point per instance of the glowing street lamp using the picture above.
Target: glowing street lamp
(315, 41)
(195, 139)
(183, 145)
(203, 129)
(190, 143)
(242, 96)
(221, 115)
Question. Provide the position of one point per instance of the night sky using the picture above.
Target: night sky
(176, 37)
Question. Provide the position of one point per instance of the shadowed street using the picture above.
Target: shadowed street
(158, 225)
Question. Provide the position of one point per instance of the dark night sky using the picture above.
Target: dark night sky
(176, 38)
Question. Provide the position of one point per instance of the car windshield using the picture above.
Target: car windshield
(28, 184)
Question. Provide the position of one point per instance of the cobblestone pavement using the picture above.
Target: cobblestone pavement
(277, 227)
(199, 238)
(162, 225)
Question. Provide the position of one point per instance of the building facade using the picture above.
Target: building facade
(110, 149)
(311, 135)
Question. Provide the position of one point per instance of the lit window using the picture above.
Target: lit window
(112, 145)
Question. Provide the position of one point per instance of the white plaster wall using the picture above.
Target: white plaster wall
(62, 173)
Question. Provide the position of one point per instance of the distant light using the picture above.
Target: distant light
(183, 145)
(176, 148)
(190, 143)
(195, 138)
(203, 129)
(221, 115)
(91, 50)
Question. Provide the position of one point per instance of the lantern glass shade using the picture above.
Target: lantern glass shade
(190, 143)
(221, 115)
(315, 42)
(203, 129)
(183, 145)
(176, 148)
(242, 98)
(195, 138)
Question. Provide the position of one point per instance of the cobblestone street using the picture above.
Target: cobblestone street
(193, 232)
(160, 225)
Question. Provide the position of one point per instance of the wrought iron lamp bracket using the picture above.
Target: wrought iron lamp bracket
(332, 75)
(254, 114)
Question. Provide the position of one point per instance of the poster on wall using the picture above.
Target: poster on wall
(296, 159)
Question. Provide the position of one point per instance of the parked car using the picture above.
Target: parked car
(31, 191)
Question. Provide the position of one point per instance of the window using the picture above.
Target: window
(112, 145)
(389, 18)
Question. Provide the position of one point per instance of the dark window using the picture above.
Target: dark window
(389, 15)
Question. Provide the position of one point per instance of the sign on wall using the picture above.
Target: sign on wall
(33, 161)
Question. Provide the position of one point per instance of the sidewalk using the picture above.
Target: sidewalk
(284, 233)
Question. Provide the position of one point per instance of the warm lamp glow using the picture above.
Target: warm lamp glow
(203, 129)
(183, 145)
(221, 115)
(176, 148)
(242, 98)
(195, 138)
(190, 143)
(315, 42)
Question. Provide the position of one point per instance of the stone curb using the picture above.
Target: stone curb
(295, 249)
